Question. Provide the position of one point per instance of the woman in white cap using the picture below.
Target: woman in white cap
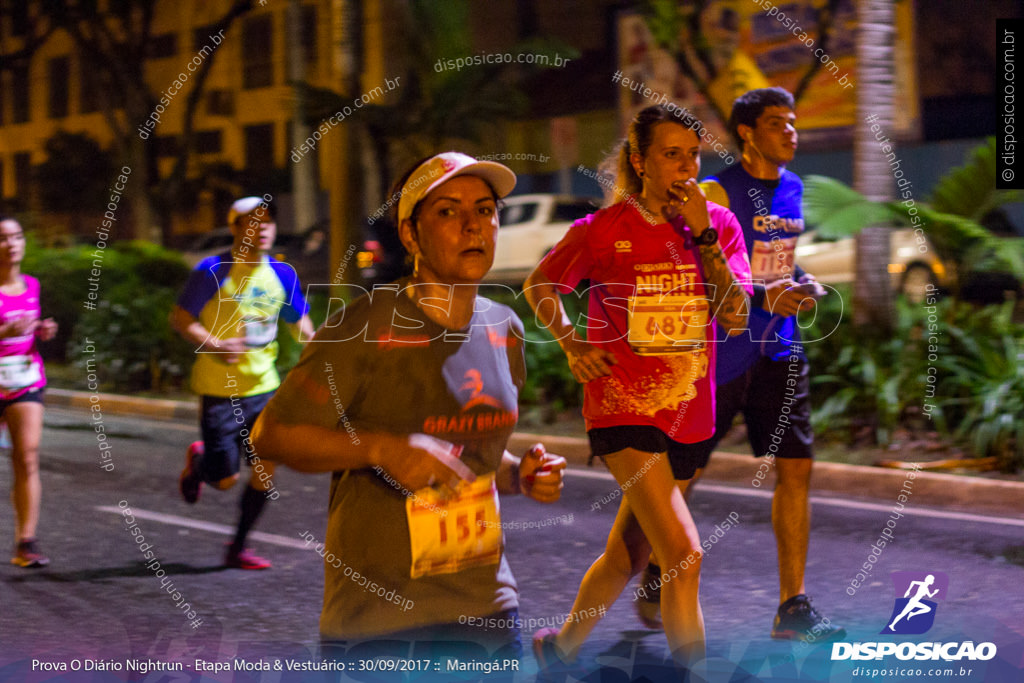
(408, 396)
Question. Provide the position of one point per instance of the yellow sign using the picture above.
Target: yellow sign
(747, 44)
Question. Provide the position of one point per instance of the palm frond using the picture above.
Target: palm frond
(970, 190)
(838, 210)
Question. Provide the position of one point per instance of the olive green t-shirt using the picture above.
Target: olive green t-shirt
(380, 365)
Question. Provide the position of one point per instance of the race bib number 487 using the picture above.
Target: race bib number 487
(669, 324)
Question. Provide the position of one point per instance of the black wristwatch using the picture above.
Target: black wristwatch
(708, 237)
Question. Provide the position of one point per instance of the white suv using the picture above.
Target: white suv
(530, 225)
(533, 223)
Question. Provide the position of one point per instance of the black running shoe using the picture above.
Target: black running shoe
(798, 620)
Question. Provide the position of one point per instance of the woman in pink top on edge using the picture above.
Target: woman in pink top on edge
(21, 386)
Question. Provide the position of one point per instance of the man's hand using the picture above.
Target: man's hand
(786, 298)
(540, 474)
(811, 286)
(232, 349)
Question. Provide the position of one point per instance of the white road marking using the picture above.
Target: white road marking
(221, 529)
(833, 502)
(588, 474)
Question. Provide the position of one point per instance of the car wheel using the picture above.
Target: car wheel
(918, 281)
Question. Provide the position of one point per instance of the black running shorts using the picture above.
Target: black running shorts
(607, 440)
(774, 397)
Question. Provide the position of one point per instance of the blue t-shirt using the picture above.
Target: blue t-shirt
(772, 221)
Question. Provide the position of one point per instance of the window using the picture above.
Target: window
(259, 146)
(257, 53)
(163, 45)
(166, 145)
(209, 142)
(514, 214)
(309, 34)
(23, 176)
(57, 69)
(201, 37)
(220, 102)
(19, 17)
(19, 88)
(88, 90)
(571, 211)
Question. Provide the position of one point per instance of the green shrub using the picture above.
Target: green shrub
(135, 347)
(63, 278)
(136, 284)
(863, 382)
(981, 382)
(550, 385)
(950, 367)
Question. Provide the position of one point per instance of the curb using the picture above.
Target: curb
(117, 404)
(952, 491)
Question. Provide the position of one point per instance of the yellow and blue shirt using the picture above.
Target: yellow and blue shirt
(241, 299)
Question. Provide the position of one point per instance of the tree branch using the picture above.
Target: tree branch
(171, 185)
(825, 20)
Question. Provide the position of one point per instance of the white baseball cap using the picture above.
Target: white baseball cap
(247, 205)
(441, 168)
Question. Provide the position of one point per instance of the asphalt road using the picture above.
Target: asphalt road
(98, 601)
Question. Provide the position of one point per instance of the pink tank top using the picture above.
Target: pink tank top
(21, 367)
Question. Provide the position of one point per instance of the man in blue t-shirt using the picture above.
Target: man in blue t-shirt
(229, 311)
(764, 373)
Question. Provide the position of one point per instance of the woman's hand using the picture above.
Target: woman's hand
(587, 361)
(540, 474)
(688, 200)
(19, 327)
(419, 460)
(47, 329)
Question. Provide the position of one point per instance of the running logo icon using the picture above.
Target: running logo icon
(914, 612)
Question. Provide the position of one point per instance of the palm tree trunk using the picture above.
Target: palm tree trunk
(872, 295)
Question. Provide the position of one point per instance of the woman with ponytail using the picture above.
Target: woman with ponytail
(667, 270)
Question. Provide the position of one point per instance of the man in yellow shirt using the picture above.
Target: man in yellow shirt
(229, 311)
